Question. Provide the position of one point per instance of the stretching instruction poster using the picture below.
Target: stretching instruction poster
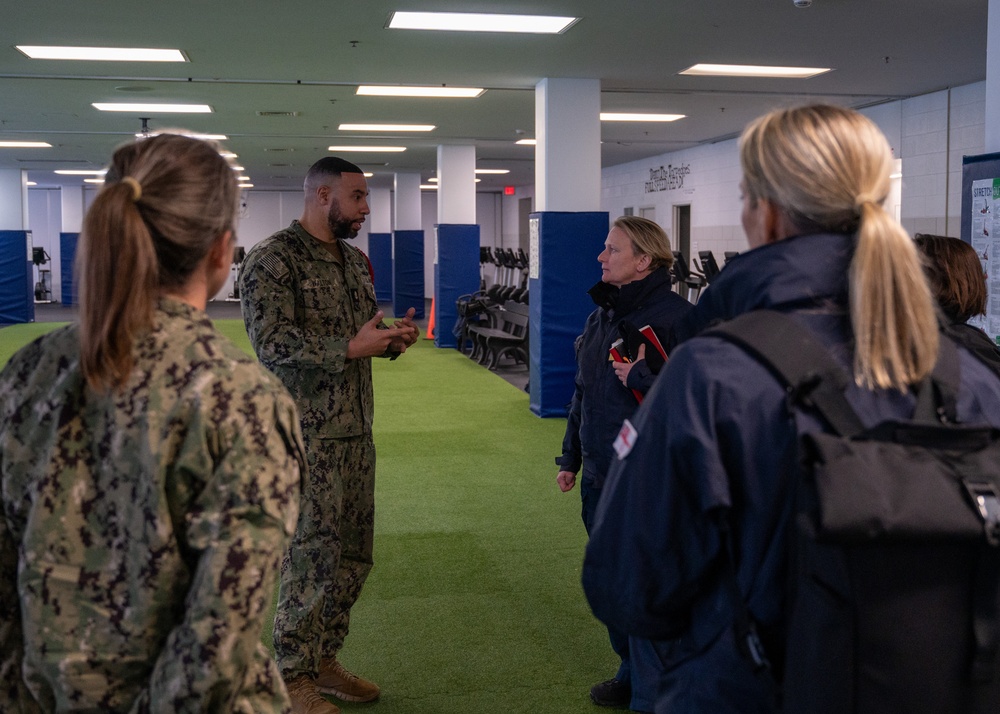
(986, 241)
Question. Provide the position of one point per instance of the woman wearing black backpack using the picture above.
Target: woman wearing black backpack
(707, 467)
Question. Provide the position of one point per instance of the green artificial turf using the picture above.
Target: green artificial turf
(474, 604)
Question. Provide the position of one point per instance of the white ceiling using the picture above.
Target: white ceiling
(253, 57)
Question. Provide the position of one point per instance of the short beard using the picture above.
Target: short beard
(339, 227)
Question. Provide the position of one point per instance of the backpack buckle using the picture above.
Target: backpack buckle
(987, 502)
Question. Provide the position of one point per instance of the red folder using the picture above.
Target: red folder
(648, 333)
(617, 356)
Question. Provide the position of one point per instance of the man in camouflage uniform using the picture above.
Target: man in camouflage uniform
(309, 307)
(143, 527)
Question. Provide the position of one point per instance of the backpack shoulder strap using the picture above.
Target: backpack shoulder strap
(799, 361)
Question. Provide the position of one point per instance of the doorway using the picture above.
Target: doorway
(682, 230)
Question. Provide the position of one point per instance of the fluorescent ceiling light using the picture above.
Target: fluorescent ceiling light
(367, 148)
(153, 108)
(113, 54)
(386, 127)
(527, 142)
(615, 116)
(93, 180)
(399, 91)
(749, 70)
(480, 22)
(237, 168)
(30, 183)
(243, 178)
(25, 145)
(434, 180)
(428, 186)
(80, 172)
(244, 185)
(368, 174)
(227, 154)
(492, 171)
(203, 137)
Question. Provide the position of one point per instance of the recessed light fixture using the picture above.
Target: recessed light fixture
(428, 186)
(367, 148)
(438, 92)
(237, 168)
(243, 178)
(749, 70)
(25, 145)
(617, 116)
(93, 180)
(111, 54)
(153, 108)
(526, 142)
(368, 174)
(480, 22)
(30, 183)
(80, 172)
(227, 154)
(435, 180)
(386, 127)
(492, 171)
(244, 185)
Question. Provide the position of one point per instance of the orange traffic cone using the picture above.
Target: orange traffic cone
(430, 322)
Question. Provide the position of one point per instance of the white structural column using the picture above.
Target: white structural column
(71, 200)
(13, 200)
(406, 188)
(993, 78)
(456, 170)
(568, 149)
(380, 204)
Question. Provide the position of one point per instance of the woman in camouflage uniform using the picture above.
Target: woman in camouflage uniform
(149, 468)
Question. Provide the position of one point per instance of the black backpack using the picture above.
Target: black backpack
(894, 547)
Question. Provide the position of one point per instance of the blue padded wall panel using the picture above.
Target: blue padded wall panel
(17, 297)
(67, 255)
(566, 250)
(456, 274)
(380, 254)
(408, 273)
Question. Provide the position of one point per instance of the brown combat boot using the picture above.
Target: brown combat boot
(334, 679)
(306, 698)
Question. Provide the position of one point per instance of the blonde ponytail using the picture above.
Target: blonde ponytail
(827, 168)
(892, 310)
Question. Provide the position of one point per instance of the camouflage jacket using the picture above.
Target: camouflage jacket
(301, 308)
(143, 529)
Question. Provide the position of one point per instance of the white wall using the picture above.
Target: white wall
(930, 134)
(711, 188)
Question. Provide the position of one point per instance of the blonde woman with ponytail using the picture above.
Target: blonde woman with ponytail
(150, 469)
(714, 441)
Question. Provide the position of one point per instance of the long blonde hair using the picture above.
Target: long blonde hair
(165, 200)
(828, 169)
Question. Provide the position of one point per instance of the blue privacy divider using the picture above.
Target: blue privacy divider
(456, 273)
(563, 254)
(17, 297)
(408, 272)
(67, 254)
(380, 255)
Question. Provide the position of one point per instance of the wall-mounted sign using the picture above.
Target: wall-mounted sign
(667, 178)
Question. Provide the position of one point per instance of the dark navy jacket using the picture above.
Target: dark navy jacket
(601, 402)
(714, 435)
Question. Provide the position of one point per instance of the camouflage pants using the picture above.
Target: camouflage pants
(330, 555)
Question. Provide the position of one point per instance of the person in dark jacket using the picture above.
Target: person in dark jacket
(634, 291)
(959, 284)
(714, 438)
